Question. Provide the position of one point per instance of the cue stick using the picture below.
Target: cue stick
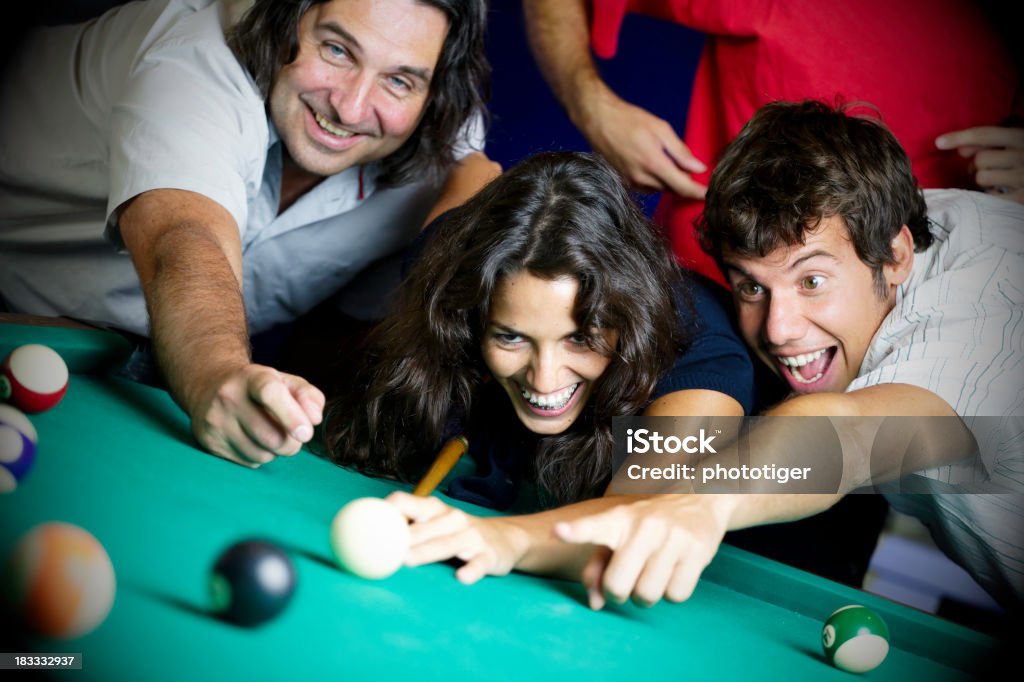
(445, 462)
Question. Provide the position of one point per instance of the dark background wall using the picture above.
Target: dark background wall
(653, 69)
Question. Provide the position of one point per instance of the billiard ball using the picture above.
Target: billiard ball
(33, 377)
(252, 581)
(12, 416)
(855, 639)
(59, 580)
(16, 455)
(370, 538)
(17, 447)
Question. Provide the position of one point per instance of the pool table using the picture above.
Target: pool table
(118, 459)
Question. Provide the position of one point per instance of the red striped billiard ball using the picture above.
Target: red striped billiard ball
(33, 377)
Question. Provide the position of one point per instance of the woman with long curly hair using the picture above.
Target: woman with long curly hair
(531, 316)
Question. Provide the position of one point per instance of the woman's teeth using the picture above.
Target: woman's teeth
(553, 401)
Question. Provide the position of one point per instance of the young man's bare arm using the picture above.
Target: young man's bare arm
(661, 544)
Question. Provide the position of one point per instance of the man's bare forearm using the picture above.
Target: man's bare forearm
(197, 314)
(187, 252)
(560, 42)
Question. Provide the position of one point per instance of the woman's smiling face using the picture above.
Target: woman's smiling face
(534, 349)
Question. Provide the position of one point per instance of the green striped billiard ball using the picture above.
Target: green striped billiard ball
(855, 639)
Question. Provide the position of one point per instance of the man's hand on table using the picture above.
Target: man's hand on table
(253, 413)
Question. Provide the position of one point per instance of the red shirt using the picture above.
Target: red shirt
(929, 66)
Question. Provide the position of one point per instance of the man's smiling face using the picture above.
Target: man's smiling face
(810, 310)
(360, 82)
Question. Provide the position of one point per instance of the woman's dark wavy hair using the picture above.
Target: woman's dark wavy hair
(794, 164)
(266, 38)
(555, 214)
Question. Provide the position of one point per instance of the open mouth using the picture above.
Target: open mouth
(806, 369)
(550, 404)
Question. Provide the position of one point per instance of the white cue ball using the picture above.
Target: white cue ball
(370, 538)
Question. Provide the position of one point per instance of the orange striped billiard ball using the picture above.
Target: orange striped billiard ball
(60, 580)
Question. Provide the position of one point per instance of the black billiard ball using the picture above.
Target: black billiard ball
(252, 581)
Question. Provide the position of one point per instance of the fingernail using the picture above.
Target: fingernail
(303, 433)
(562, 529)
(942, 142)
(616, 599)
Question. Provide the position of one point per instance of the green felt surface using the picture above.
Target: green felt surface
(118, 459)
(83, 350)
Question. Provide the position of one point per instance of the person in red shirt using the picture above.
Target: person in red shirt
(936, 70)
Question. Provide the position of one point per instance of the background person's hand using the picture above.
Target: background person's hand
(642, 147)
(997, 157)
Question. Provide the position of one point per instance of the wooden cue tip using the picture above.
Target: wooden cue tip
(445, 461)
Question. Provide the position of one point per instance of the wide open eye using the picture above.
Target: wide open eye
(812, 282)
(748, 289)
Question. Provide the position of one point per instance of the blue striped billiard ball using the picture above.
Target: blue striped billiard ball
(18, 440)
